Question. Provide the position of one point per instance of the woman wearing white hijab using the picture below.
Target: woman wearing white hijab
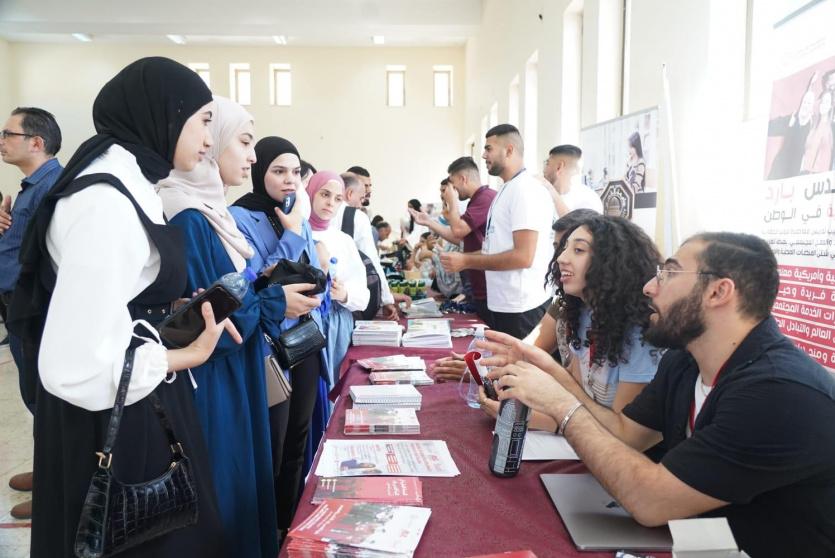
(231, 393)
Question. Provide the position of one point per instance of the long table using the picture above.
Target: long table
(475, 512)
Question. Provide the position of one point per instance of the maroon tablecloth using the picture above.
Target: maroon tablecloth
(475, 512)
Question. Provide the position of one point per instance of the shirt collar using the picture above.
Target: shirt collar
(42, 170)
(764, 336)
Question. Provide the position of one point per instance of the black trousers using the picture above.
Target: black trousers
(484, 313)
(519, 324)
(289, 427)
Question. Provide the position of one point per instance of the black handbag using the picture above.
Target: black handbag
(288, 272)
(299, 342)
(117, 516)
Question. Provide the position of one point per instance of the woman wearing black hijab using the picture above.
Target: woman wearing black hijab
(99, 257)
(296, 425)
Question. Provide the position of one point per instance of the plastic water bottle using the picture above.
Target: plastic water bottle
(332, 267)
(472, 389)
(237, 282)
(479, 336)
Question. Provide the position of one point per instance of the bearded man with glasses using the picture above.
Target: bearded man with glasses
(746, 417)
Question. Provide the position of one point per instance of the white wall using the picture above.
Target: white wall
(719, 145)
(510, 33)
(9, 175)
(339, 115)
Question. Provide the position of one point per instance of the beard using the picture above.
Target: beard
(496, 169)
(683, 322)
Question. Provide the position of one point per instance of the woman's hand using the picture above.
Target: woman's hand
(201, 348)
(291, 221)
(448, 369)
(507, 349)
(489, 406)
(338, 291)
(299, 304)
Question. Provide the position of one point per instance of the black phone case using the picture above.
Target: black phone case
(186, 324)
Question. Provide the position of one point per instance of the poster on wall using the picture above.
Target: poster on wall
(798, 192)
(620, 163)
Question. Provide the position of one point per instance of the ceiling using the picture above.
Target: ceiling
(252, 22)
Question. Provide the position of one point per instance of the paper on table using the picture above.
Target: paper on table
(546, 446)
(419, 458)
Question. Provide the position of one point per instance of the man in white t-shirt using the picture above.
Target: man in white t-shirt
(518, 242)
(564, 182)
(364, 238)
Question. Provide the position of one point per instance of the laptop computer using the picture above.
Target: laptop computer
(595, 521)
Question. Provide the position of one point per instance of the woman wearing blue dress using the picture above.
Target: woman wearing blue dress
(275, 235)
(230, 393)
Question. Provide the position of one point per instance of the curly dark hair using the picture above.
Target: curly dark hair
(623, 259)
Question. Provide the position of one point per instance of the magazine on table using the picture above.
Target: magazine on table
(418, 458)
(380, 527)
(404, 491)
(392, 362)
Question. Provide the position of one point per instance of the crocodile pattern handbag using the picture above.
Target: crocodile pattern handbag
(117, 516)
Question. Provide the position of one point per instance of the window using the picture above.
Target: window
(482, 166)
(281, 85)
(494, 114)
(443, 86)
(396, 86)
(240, 85)
(513, 102)
(202, 69)
(531, 106)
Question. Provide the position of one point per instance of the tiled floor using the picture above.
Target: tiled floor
(15, 456)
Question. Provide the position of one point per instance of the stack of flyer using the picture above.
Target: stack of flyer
(392, 362)
(352, 528)
(385, 397)
(378, 332)
(428, 333)
(381, 421)
(414, 377)
(402, 491)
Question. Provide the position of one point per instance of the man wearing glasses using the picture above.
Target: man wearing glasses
(747, 419)
(29, 140)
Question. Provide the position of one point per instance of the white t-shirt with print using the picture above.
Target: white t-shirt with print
(600, 381)
(523, 203)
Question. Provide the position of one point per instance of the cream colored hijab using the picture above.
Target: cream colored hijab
(202, 188)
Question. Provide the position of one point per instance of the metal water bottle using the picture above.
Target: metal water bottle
(509, 438)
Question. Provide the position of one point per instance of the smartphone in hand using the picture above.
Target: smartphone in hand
(186, 324)
(288, 203)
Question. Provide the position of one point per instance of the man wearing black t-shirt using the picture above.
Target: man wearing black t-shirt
(747, 419)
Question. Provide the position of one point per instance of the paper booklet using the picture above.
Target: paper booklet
(350, 525)
(428, 333)
(414, 377)
(392, 362)
(381, 421)
(377, 332)
(417, 458)
(403, 491)
(385, 396)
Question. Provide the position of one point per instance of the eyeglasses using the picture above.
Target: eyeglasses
(661, 274)
(5, 134)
